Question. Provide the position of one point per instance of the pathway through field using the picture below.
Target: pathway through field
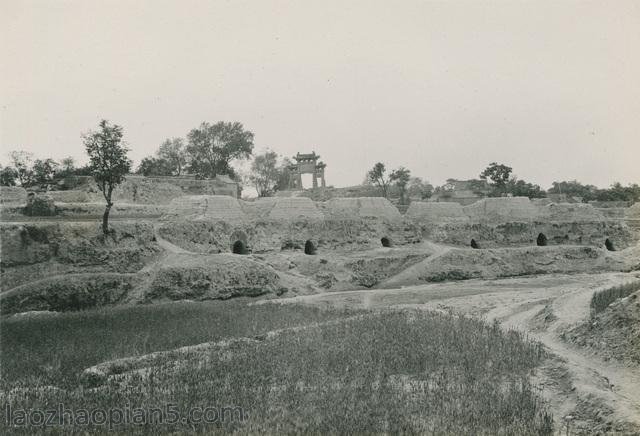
(517, 303)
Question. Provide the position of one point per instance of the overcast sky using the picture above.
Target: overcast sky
(551, 88)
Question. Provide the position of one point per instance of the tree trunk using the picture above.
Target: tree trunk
(105, 219)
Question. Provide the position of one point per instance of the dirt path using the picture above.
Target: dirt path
(611, 383)
(575, 377)
(166, 245)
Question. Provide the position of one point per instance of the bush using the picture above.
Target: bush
(39, 205)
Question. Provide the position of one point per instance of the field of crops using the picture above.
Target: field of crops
(342, 372)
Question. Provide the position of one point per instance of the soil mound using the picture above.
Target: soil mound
(571, 212)
(434, 212)
(207, 207)
(13, 195)
(258, 208)
(502, 209)
(294, 208)
(72, 196)
(462, 264)
(212, 277)
(614, 332)
(68, 292)
(633, 212)
(361, 207)
(36, 250)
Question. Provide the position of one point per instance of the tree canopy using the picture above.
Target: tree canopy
(212, 147)
(265, 173)
(378, 177)
(400, 177)
(497, 173)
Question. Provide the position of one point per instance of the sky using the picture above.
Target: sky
(550, 88)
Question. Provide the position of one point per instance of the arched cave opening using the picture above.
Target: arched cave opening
(239, 247)
(309, 247)
(609, 245)
(386, 242)
(474, 244)
(541, 241)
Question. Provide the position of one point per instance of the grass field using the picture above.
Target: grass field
(344, 372)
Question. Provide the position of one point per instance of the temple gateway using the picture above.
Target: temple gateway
(306, 164)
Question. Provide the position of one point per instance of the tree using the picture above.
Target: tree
(419, 188)
(573, 188)
(498, 174)
(44, 171)
(617, 192)
(284, 175)
(67, 168)
(153, 166)
(212, 147)
(8, 176)
(108, 162)
(172, 151)
(265, 173)
(520, 188)
(400, 177)
(23, 164)
(377, 176)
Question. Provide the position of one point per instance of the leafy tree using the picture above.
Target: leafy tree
(377, 176)
(44, 171)
(172, 151)
(153, 166)
(284, 175)
(23, 164)
(84, 170)
(265, 173)
(617, 192)
(108, 162)
(212, 147)
(419, 188)
(520, 188)
(498, 174)
(400, 177)
(8, 176)
(67, 168)
(573, 188)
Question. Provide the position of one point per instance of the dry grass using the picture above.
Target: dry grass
(415, 372)
(602, 299)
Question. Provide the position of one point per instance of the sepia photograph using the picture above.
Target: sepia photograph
(320, 217)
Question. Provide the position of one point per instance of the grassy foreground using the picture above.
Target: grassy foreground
(376, 372)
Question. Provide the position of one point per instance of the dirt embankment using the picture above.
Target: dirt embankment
(38, 250)
(69, 292)
(214, 277)
(267, 235)
(613, 333)
(462, 264)
(489, 235)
